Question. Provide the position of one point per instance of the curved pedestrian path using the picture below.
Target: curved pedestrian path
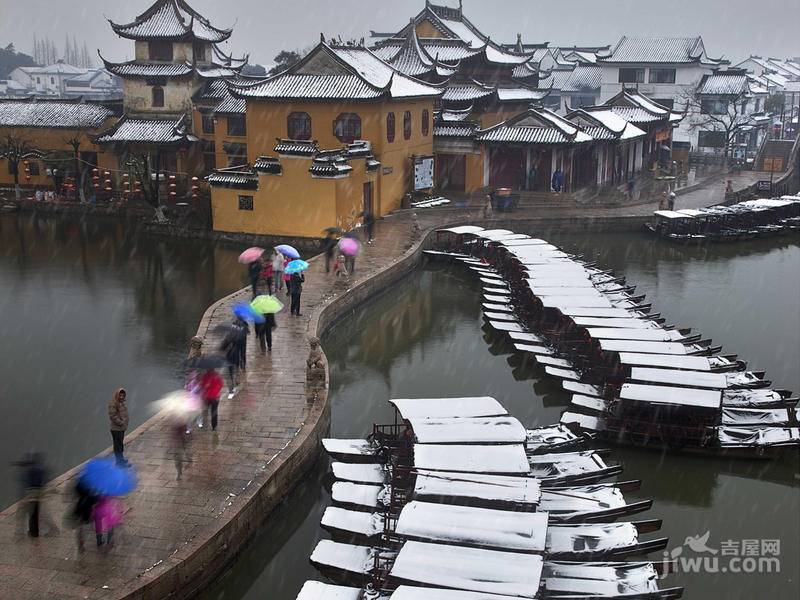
(179, 534)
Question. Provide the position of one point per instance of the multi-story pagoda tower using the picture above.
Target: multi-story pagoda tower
(176, 53)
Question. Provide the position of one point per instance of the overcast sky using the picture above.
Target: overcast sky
(731, 28)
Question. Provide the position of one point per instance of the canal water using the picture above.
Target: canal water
(427, 338)
(87, 307)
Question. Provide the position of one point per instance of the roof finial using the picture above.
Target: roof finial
(460, 6)
(321, 37)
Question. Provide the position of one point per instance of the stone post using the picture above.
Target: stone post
(316, 372)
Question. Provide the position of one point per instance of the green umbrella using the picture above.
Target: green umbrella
(266, 304)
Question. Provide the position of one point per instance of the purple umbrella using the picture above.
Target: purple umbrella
(288, 250)
(349, 246)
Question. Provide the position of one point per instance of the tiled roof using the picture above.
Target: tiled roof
(58, 68)
(171, 19)
(387, 50)
(455, 115)
(634, 114)
(536, 126)
(216, 71)
(519, 94)
(723, 84)
(296, 147)
(268, 164)
(526, 69)
(147, 69)
(582, 78)
(449, 51)
(466, 92)
(242, 177)
(412, 59)
(606, 119)
(50, 114)
(459, 130)
(232, 106)
(372, 163)
(361, 76)
(499, 56)
(360, 148)
(596, 132)
(133, 130)
(656, 50)
(329, 166)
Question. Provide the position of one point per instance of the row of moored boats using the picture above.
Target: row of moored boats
(633, 377)
(456, 500)
(744, 220)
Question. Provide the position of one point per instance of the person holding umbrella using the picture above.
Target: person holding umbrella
(211, 387)
(295, 270)
(105, 480)
(232, 345)
(277, 270)
(266, 306)
(266, 275)
(254, 271)
(118, 417)
(350, 248)
(329, 248)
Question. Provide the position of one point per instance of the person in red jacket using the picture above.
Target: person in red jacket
(211, 385)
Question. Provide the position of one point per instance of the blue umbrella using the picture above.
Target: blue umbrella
(295, 267)
(287, 250)
(247, 313)
(105, 478)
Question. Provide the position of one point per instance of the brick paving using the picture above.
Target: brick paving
(167, 518)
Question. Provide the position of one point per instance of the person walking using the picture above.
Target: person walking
(211, 385)
(488, 211)
(295, 286)
(277, 270)
(32, 480)
(671, 200)
(369, 224)
(81, 515)
(231, 346)
(264, 332)
(266, 275)
(254, 271)
(286, 277)
(329, 248)
(558, 180)
(107, 514)
(118, 417)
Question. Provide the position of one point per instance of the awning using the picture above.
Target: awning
(462, 229)
(640, 334)
(472, 526)
(643, 347)
(507, 459)
(683, 378)
(484, 430)
(433, 408)
(659, 394)
(668, 361)
(473, 569)
(451, 487)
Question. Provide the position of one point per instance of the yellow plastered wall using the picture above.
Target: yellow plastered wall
(473, 178)
(267, 121)
(219, 137)
(48, 139)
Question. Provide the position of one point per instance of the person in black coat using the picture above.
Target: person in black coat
(295, 289)
(329, 247)
(264, 332)
(235, 348)
(254, 271)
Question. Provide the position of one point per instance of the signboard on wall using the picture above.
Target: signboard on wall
(763, 186)
(423, 173)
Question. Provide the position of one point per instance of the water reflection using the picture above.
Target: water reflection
(88, 306)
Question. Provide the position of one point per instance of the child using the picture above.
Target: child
(107, 514)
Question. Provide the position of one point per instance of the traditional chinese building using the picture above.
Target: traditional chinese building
(331, 138)
(177, 56)
(51, 142)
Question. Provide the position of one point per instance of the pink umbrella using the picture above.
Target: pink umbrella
(251, 255)
(349, 246)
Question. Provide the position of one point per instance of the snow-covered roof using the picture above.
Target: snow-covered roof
(596, 120)
(519, 94)
(535, 126)
(135, 68)
(638, 333)
(316, 590)
(432, 408)
(466, 91)
(171, 20)
(52, 114)
(460, 430)
(472, 569)
(724, 83)
(668, 361)
(659, 394)
(338, 72)
(476, 488)
(472, 526)
(411, 59)
(58, 68)
(698, 379)
(668, 50)
(162, 131)
(643, 347)
(582, 78)
(408, 592)
(502, 459)
(347, 557)
(236, 177)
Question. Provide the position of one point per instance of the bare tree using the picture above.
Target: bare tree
(724, 113)
(15, 149)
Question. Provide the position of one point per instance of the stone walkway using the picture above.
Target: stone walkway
(168, 520)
